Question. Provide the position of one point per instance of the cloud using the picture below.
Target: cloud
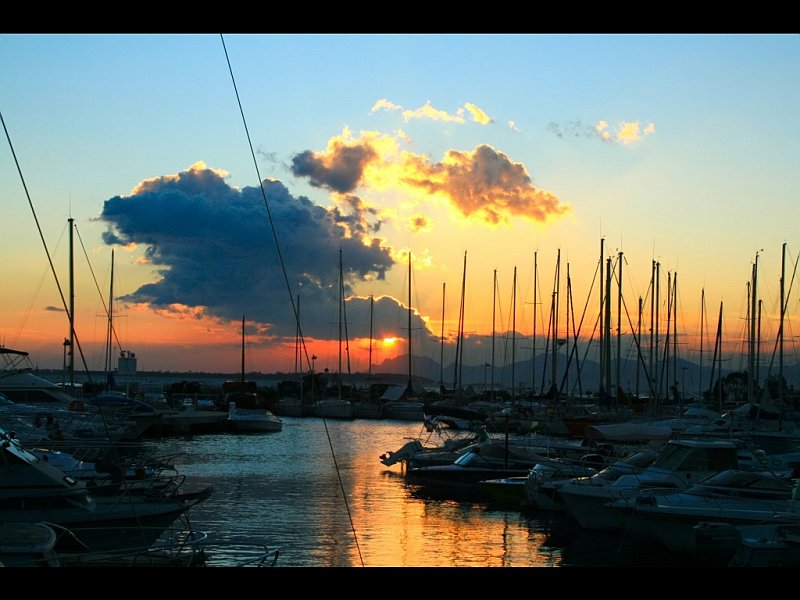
(339, 168)
(478, 115)
(385, 104)
(627, 132)
(54, 309)
(419, 223)
(428, 111)
(484, 184)
(213, 251)
(389, 319)
(403, 136)
(513, 126)
(270, 157)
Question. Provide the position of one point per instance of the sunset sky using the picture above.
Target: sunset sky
(683, 149)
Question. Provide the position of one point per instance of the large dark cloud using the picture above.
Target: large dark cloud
(213, 247)
(339, 169)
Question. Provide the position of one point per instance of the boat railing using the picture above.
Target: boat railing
(176, 547)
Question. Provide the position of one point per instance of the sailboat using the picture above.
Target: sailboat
(366, 408)
(242, 401)
(338, 407)
(400, 403)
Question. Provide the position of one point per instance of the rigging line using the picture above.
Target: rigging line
(266, 204)
(28, 311)
(288, 286)
(344, 496)
(35, 218)
(44, 243)
(96, 285)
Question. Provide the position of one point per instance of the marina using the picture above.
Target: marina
(274, 371)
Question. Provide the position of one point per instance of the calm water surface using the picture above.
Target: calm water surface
(282, 489)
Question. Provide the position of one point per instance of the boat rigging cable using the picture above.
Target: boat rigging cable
(97, 286)
(44, 243)
(288, 286)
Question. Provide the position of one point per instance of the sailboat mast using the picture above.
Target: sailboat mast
(71, 310)
(339, 372)
(780, 327)
(751, 371)
(298, 358)
(410, 388)
(461, 321)
(533, 342)
(110, 333)
(441, 345)
(675, 332)
(494, 310)
(650, 371)
(513, 333)
(656, 325)
(639, 343)
(758, 342)
(607, 327)
(702, 334)
(371, 305)
(619, 324)
(600, 319)
(568, 307)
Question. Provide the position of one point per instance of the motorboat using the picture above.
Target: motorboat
(731, 496)
(250, 419)
(679, 464)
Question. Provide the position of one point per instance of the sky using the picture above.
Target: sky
(500, 152)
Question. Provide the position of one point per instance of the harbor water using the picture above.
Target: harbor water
(333, 504)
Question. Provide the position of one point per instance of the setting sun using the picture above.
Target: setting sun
(389, 341)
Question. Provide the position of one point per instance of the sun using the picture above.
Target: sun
(389, 341)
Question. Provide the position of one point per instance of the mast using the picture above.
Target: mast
(567, 305)
(494, 308)
(461, 324)
(638, 343)
(619, 325)
(657, 324)
(702, 335)
(297, 340)
(555, 321)
(664, 373)
(410, 388)
(460, 335)
(339, 372)
(651, 372)
(758, 342)
(71, 311)
(601, 333)
(441, 351)
(780, 327)
(110, 333)
(513, 333)
(371, 306)
(533, 345)
(675, 332)
(298, 359)
(607, 327)
(242, 388)
(752, 337)
(717, 351)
